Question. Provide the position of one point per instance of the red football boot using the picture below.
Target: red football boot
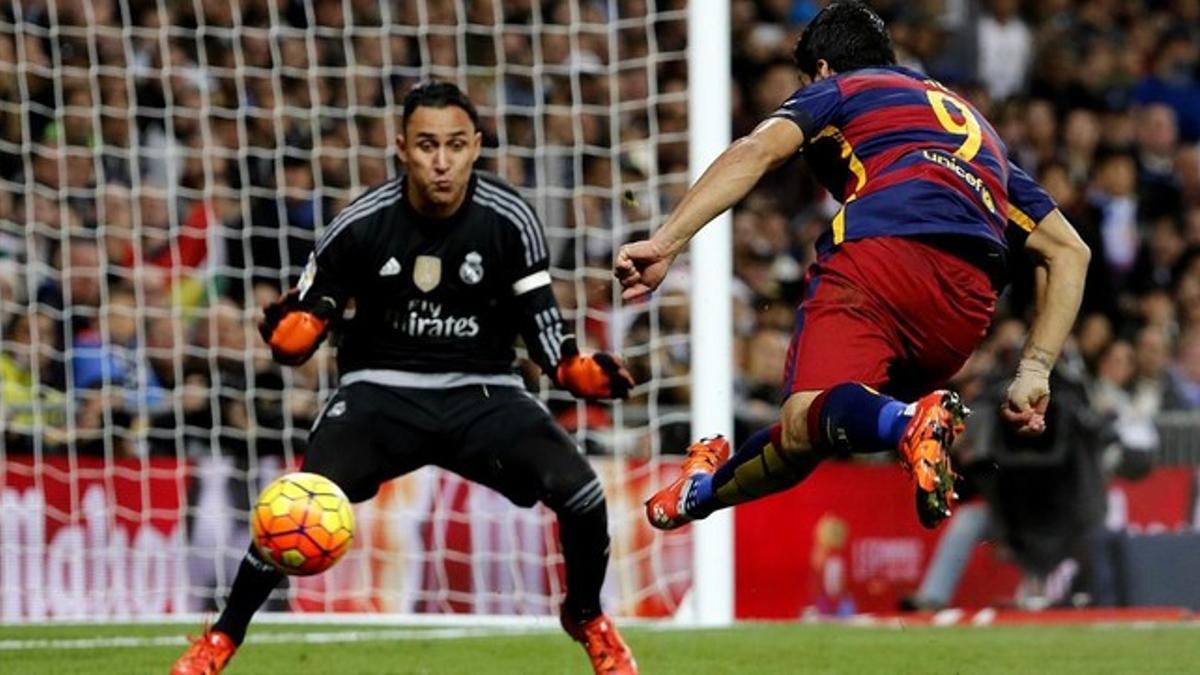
(665, 510)
(924, 450)
(608, 652)
(207, 656)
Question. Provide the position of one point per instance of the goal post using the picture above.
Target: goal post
(711, 302)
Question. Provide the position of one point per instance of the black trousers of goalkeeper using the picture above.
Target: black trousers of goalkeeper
(498, 436)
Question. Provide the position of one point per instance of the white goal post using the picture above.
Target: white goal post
(712, 305)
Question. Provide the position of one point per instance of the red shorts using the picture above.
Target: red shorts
(895, 314)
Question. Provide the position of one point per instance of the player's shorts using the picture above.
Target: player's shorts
(895, 314)
(498, 436)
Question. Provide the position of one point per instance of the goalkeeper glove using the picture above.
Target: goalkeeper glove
(294, 331)
(594, 376)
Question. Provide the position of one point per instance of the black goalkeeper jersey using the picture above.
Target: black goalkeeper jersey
(437, 303)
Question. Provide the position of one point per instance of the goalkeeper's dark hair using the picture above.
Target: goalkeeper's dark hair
(848, 35)
(437, 94)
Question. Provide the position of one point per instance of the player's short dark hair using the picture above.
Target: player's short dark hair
(436, 94)
(848, 35)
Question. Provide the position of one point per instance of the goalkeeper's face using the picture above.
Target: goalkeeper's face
(439, 147)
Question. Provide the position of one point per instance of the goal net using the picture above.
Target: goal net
(165, 167)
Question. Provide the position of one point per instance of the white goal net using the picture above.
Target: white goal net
(165, 167)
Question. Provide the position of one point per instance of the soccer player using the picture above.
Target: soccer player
(446, 266)
(906, 278)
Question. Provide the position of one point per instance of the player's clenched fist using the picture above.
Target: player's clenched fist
(293, 330)
(641, 267)
(1028, 397)
(595, 376)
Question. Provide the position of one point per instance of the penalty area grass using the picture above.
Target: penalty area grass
(745, 648)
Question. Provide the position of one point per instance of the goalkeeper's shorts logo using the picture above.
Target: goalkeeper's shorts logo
(471, 271)
(337, 410)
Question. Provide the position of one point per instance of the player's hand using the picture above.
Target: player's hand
(595, 376)
(293, 333)
(1028, 398)
(641, 267)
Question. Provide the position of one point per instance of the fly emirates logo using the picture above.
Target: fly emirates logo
(426, 319)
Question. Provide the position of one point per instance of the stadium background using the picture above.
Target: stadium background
(165, 166)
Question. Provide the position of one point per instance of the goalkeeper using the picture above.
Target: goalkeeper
(446, 265)
(906, 279)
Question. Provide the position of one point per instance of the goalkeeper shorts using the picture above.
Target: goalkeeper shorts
(895, 314)
(498, 436)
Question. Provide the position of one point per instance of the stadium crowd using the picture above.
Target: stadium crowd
(164, 167)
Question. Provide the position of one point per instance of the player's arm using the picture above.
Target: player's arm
(1062, 259)
(295, 325)
(599, 375)
(728, 180)
(549, 342)
(641, 266)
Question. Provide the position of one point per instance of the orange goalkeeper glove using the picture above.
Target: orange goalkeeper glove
(594, 376)
(293, 331)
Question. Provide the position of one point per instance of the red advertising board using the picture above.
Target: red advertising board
(848, 540)
(89, 539)
(85, 538)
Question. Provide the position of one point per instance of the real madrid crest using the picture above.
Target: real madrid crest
(471, 271)
(427, 272)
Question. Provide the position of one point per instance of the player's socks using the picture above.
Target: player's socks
(853, 418)
(845, 418)
(758, 468)
(585, 546)
(254, 582)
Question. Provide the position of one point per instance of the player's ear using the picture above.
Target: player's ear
(476, 145)
(823, 70)
(401, 148)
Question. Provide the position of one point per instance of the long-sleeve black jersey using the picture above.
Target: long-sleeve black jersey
(438, 303)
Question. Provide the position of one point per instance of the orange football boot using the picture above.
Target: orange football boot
(608, 652)
(207, 656)
(665, 509)
(924, 450)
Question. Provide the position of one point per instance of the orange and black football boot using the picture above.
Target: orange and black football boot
(925, 451)
(665, 510)
(207, 656)
(608, 652)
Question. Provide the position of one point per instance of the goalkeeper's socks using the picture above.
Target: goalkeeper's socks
(758, 468)
(585, 547)
(254, 582)
(853, 418)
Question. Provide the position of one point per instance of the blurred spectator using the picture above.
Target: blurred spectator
(1186, 371)
(763, 360)
(1113, 195)
(1043, 498)
(1158, 258)
(1005, 48)
(1159, 191)
(1153, 389)
(1172, 80)
(31, 401)
(111, 356)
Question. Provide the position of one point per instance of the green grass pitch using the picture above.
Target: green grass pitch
(747, 648)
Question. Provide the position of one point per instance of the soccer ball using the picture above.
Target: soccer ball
(302, 523)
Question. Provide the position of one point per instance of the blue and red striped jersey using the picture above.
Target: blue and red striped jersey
(906, 157)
